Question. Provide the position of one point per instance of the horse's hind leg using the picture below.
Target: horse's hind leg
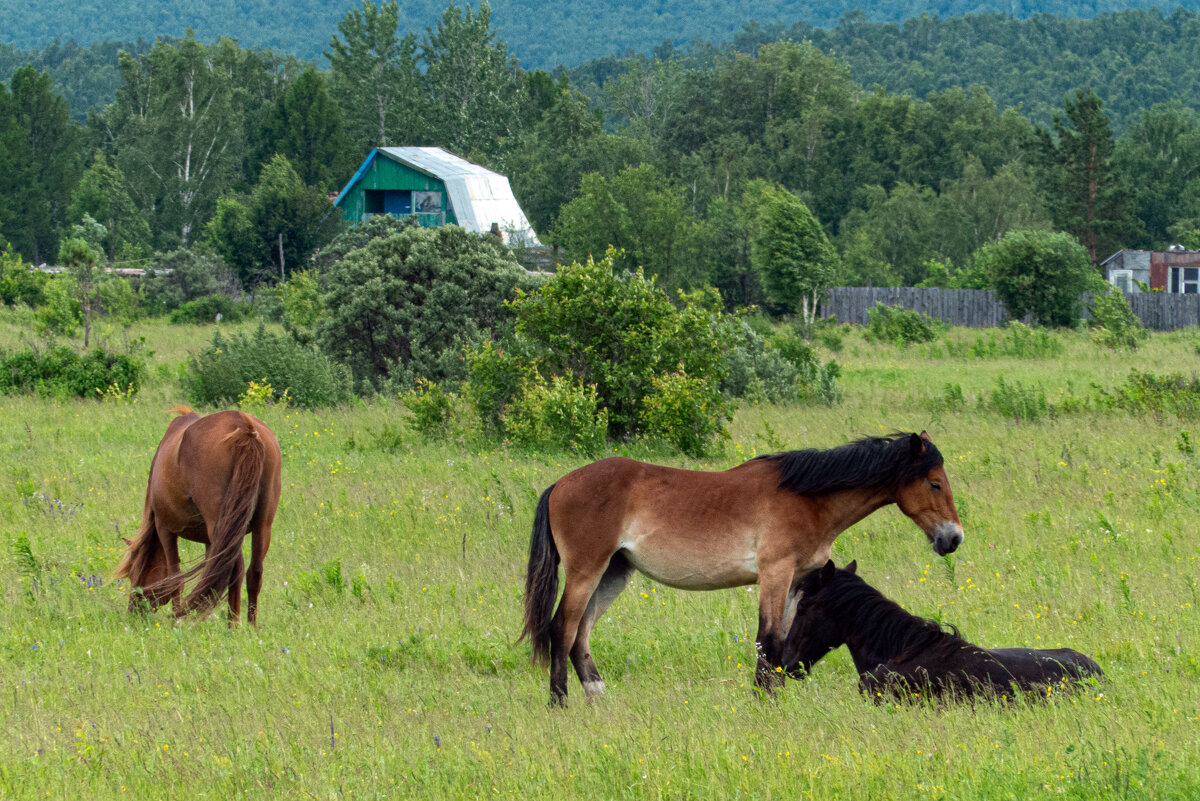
(564, 628)
(614, 580)
(259, 543)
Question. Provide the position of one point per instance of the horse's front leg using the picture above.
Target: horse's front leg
(169, 542)
(773, 583)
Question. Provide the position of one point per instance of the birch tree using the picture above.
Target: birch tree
(176, 132)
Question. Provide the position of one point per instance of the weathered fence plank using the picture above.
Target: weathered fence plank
(980, 308)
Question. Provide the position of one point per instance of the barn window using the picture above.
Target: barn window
(1185, 280)
(374, 198)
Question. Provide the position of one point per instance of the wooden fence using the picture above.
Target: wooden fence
(980, 308)
(1162, 312)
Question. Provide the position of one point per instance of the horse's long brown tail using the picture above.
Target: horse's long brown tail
(541, 582)
(140, 553)
(222, 567)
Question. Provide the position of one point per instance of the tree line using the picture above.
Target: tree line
(544, 34)
(764, 173)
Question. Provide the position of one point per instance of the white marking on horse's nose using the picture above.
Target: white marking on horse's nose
(947, 537)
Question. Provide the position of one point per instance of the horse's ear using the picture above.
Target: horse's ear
(126, 540)
(827, 572)
(925, 436)
(917, 444)
(852, 567)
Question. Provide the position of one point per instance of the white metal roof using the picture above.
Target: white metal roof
(478, 196)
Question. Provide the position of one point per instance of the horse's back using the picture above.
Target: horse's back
(975, 670)
(1049, 664)
(618, 479)
(197, 459)
(208, 446)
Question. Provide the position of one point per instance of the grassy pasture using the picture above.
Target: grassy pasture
(384, 665)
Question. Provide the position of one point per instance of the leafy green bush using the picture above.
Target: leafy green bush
(1017, 401)
(823, 383)
(61, 372)
(1146, 393)
(900, 326)
(60, 312)
(432, 409)
(758, 370)
(221, 373)
(561, 414)
(686, 411)
(1038, 273)
(205, 310)
(497, 375)
(19, 283)
(260, 395)
(1117, 326)
(814, 380)
(404, 306)
(302, 307)
(616, 331)
(830, 334)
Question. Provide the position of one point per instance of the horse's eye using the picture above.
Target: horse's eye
(937, 486)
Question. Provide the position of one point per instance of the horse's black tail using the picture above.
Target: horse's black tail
(541, 582)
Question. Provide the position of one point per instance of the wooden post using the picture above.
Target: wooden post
(282, 277)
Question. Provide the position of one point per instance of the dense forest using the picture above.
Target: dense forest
(1132, 59)
(542, 34)
(700, 165)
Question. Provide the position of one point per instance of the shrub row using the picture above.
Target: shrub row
(60, 372)
(1141, 394)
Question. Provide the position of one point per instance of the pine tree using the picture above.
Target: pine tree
(1084, 193)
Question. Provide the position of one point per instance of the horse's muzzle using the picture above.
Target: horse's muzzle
(946, 538)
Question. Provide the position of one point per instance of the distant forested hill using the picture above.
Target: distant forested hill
(1131, 59)
(541, 33)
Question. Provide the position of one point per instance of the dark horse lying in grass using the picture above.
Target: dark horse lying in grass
(767, 521)
(212, 478)
(902, 654)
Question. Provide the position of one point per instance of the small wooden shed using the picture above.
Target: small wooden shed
(1175, 270)
(438, 187)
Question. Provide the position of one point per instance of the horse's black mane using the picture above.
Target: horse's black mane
(883, 463)
(883, 623)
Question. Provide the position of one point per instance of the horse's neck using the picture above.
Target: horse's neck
(845, 508)
(867, 655)
(878, 647)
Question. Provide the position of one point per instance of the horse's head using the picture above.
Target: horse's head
(146, 582)
(815, 632)
(928, 501)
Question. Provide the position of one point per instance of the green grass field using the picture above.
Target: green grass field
(385, 662)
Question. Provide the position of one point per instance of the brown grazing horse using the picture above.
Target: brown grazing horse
(901, 654)
(212, 478)
(767, 521)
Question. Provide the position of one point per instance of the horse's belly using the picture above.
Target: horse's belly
(689, 567)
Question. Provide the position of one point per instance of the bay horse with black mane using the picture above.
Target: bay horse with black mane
(901, 654)
(212, 479)
(766, 521)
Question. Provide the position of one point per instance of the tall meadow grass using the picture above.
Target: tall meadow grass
(385, 663)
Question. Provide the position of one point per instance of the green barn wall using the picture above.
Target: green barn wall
(387, 173)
